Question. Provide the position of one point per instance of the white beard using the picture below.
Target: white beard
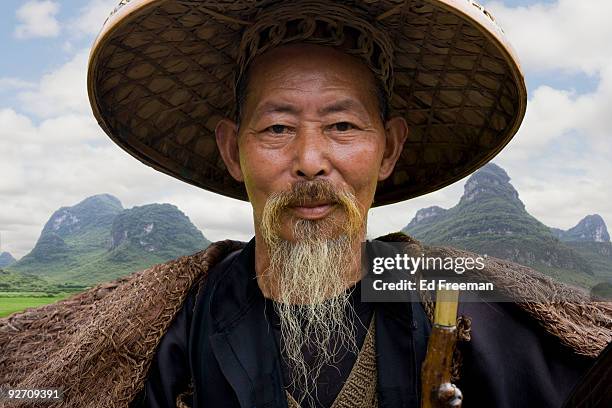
(310, 275)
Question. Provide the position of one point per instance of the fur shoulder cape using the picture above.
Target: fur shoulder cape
(98, 345)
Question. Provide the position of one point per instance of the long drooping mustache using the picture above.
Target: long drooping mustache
(311, 273)
(314, 191)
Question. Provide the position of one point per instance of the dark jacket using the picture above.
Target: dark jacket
(105, 344)
(233, 360)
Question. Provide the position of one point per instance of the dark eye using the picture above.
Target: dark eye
(343, 126)
(277, 129)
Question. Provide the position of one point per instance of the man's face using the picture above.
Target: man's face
(311, 113)
(310, 150)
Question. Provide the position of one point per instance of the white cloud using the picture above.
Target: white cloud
(568, 35)
(92, 16)
(67, 47)
(37, 19)
(553, 113)
(63, 91)
(12, 84)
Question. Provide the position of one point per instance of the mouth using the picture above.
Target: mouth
(313, 210)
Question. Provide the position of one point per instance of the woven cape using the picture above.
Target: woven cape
(162, 73)
(98, 345)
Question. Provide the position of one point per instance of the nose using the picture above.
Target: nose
(311, 154)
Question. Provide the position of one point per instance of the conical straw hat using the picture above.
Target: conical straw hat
(162, 73)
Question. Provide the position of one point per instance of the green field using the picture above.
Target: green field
(13, 302)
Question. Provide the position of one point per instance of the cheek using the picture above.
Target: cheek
(359, 168)
(261, 168)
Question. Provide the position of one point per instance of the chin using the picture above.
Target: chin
(327, 228)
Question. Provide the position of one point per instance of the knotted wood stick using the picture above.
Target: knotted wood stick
(437, 389)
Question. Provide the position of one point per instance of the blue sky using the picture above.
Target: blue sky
(53, 153)
(28, 59)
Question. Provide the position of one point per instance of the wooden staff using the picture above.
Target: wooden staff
(437, 389)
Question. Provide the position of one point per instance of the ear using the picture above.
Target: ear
(226, 134)
(396, 131)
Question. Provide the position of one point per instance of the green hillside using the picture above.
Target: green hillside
(17, 282)
(599, 256)
(14, 282)
(72, 237)
(591, 228)
(491, 219)
(97, 240)
(6, 259)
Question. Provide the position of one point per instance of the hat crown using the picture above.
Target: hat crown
(322, 23)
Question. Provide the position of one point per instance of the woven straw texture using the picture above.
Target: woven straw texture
(162, 74)
(99, 344)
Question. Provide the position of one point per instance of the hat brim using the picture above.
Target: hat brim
(161, 76)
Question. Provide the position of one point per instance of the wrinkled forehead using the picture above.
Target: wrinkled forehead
(302, 61)
(322, 78)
